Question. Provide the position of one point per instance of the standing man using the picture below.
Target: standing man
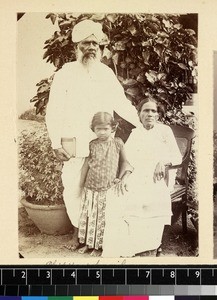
(79, 90)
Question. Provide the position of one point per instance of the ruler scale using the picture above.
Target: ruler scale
(81, 280)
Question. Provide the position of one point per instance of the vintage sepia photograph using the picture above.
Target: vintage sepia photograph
(107, 131)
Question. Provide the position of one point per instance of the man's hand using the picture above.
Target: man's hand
(159, 172)
(61, 154)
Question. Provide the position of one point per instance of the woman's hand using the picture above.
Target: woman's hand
(159, 172)
(120, 186)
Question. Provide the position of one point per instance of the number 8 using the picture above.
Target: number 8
(172, 274)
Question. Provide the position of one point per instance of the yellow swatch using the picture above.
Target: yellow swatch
(85, 298)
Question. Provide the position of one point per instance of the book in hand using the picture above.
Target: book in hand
(69, 145)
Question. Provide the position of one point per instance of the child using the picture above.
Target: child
(105, 167)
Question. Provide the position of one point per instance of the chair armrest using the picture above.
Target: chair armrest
(170, 167)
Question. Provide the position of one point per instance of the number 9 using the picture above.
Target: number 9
(197, 273)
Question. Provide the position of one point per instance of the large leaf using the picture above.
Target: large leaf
(115, 58)
(182, 66)
(190, 31)
(161, 76)
(65, 43)
(147, 43)
(159, 49)
(146, 56)
(112, 17)
(129, 82)
(132, 30)
(97, 17)
(62, 15)
(162, 34)
(132, 91)
(190, 46)
(135, 71)
(167, 23)
(120, 46)
(177, 26)
(42, 81)
(65, 24)
(140, 78)
(53, 18)
(56, 62)
(106, 53)
(34, 99)
(46, 54)
(151, 76)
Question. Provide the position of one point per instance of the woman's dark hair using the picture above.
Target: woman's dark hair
(160, 108)
(103, 118)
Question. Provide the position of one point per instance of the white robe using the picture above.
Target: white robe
(146, 208)
(75, 96)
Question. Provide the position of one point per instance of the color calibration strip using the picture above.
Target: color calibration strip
(135, 293)
(114, 298)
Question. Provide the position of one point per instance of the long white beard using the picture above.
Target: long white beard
(88, 61)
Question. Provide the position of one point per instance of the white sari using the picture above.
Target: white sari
(140, 215)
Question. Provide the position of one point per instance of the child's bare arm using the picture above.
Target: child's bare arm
(125, 168)
(84, 171)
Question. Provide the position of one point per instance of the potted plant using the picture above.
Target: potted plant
(40, 181)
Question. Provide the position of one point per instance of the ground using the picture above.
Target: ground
(33, 244)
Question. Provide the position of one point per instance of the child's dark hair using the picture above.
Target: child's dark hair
(103, 118)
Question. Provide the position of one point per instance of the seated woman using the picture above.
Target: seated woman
(149, 149)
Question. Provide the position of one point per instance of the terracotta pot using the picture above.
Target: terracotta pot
(49, 219)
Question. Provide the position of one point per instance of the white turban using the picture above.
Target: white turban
(86, 28)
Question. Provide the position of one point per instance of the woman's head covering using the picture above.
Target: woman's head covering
(86, 28)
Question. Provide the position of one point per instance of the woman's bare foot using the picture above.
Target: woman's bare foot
(83, 249)
(96, 253)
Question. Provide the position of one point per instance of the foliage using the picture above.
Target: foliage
(30, 114)
(42, 97)
(40, 171)
(150, 54)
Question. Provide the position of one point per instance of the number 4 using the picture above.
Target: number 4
(73, 274)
